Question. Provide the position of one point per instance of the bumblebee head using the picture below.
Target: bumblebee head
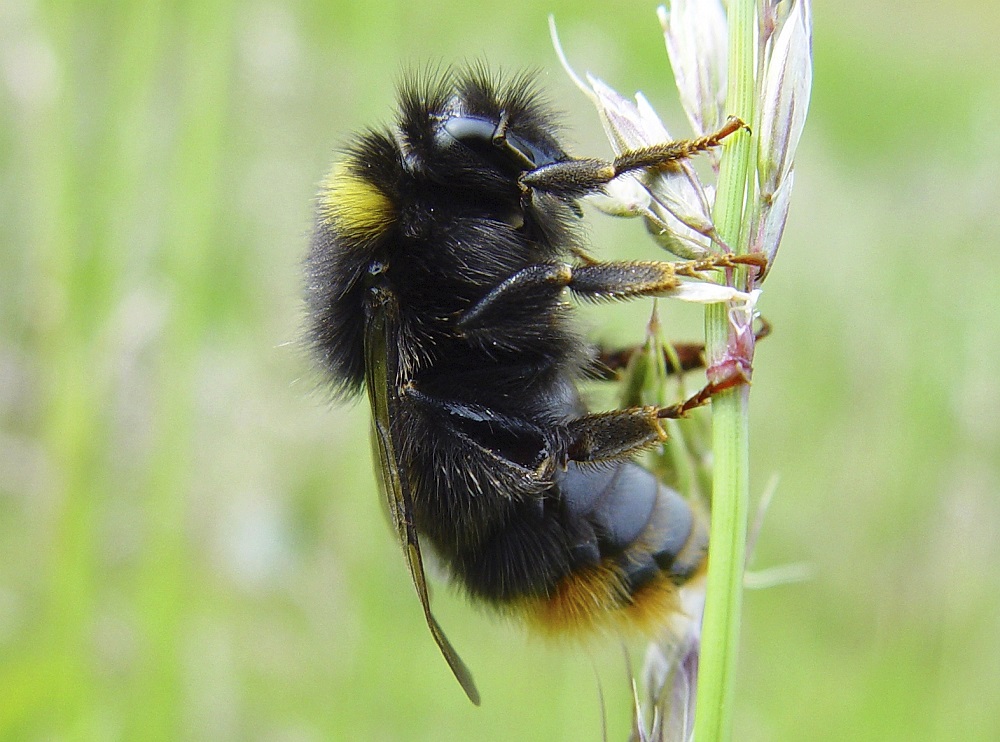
(474, 129)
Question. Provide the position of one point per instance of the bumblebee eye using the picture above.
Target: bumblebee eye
(493, 142)
(471, 130)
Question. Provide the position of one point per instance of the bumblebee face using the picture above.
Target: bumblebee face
(495, 144)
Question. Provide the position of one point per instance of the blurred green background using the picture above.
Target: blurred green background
(191, 544)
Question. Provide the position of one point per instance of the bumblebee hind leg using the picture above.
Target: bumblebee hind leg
(617, 435)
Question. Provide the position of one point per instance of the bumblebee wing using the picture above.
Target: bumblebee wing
(381, 367)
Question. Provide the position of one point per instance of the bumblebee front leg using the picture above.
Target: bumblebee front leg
(578, 177)
(534, 288)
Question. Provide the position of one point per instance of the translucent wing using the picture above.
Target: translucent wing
(381, 366)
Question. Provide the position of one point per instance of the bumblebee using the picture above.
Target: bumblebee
(437, 278)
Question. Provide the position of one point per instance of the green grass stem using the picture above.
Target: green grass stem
(730, 414)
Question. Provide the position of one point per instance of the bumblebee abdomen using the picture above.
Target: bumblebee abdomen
(607, 551)
(647, 541)
(636, 518)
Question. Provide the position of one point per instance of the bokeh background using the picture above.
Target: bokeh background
(191, 544)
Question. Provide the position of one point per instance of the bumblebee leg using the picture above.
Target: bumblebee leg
(578, 177)
(689, 356)
(610, 362)
(532, 290)
(620, 434)
(629, 279)
(614, 435)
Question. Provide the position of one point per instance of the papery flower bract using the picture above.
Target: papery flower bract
(673, 235)
(675, 188)
(670, 672)
(706, 292)
(771, 221)
(696, 35)
(625, 197)
(784, 104)
(785, 97)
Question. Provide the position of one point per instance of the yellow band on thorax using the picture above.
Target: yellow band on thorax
(354, 206)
